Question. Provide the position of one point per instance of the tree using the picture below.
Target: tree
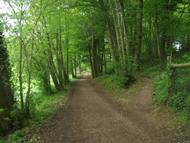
(6, 93)
(139, 33)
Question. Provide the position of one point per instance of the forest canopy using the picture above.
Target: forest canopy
(46, 43)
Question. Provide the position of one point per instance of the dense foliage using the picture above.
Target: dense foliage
(49, 42)
(179, 99)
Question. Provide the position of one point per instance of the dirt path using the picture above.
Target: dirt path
(91, 118)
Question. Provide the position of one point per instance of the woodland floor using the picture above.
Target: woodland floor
(91, 116)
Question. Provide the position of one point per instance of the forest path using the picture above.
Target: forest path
(91, 117)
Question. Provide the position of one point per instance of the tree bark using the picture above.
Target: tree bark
(94, 57)
(110, 36)
(29, 67)
(20, 75)
(116, 29)
(59, 61)
(75, 65)
(121, 34)
(139, 34)
(127, 47)
(158, 37)
(72, 70)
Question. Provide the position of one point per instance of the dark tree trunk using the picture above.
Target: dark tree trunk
(94, 56)
(90, 59)
(110, 36)
(187, 46)
(59, 61)
(72, 70)
(75, 66)
(55, 81)
(46, 83)
(125, 28)
(139, 33)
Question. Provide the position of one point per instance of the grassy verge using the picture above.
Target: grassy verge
(43, 107)
(113, 87)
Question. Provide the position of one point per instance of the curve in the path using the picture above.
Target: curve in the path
(90, 118)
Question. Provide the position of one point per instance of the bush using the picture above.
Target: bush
(160, 86)
(179, 101)
(16, 137)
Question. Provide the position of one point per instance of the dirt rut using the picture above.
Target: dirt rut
(90, 118)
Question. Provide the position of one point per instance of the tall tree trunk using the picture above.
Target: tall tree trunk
(127, 47)
(29, 67)
(116, 29)
(94, 57)
(72, 70)
(110, 36)
(59, 61)
(80, 68)
(75, 66)
(20, 75)
(65, 70)
(139, 34)
(112, 48)
(46, 83)
(158, 36)
(55, 80)
(187, 44)
(67, 50)
(90, 59)
(121, 34)
(150, 36)
(54, 72)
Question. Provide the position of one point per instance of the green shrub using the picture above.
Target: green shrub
(179, 101)
(16, 137)
(160, 86)
(2, 141)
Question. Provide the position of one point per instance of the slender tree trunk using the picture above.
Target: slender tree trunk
(46, 83)
(139, 33)
(102, 54)
(158, 37)
(55, 80)
(94, 57)
(121, 33)
(59, 61)
(116, 29)
(54, 72)
(29, 65)
(110, 36)
(150, 36)
(148, 41)
(127, 47)
(187, 44)
(90, 59)
(75, 66)
(111, 47)
(67, 48)
(72, 70)
(20, 75)
(66, 70)
(80, 68)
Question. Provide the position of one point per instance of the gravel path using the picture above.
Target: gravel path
(91, 118)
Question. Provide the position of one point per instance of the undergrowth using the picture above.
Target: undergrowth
(109, 82)
(179, 100)
(122, 94)
(42, 110)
